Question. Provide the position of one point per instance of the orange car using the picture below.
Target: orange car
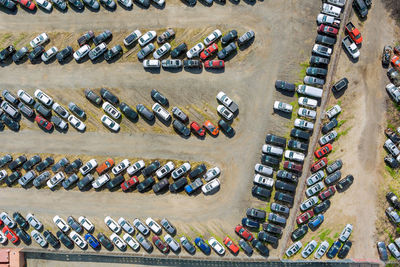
(323, 151)
(211, 128)
(396, 62)
(105, 166)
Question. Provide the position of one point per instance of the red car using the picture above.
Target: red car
(327, 193)
(196, 128)
(327, 29)
(10, 234)
(211, 128)
(319, 164)
(395, 62)
(323, 151)
(159, 244)
(129, 183)
(243, 232)
(231, 245)
(209, 51)
(28, 4)
(214, 64)
(43, 122)
(293, 166)
(304, 217)
(105, 166)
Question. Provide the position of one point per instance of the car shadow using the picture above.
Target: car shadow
(285, 92)
(9, 11)
(109, 9)
(203, 2)
(74, 8)
(234, 2)
(22, 60)
(139, 5)
(247, 44)
(339, 94)
(187, 4)
(6, 62)
(149, 122)
(181, 135)
(44, 10)
(114, 59)
(66, 60)
(157, 6)
(28, 10)
(231, 55)
(153, 70)
(220, 2)
(173, 70)
(250, 2)
(59, 9)
(51, 60)
(215, 71)
(99, 59)
(166, 123)
(124, 7)
(283, 114)
(194, 70)
(83, 60)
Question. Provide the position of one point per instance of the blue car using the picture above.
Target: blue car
(246, 222)
(202, 245)
(333, 250)
(92, 241)
(316, 222)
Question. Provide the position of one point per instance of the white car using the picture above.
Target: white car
(212, 37)
(60, 110)
(278, 105)
(162, 50)
(39, 40)
(7, 220)
(121, 167)
(322, 50)
(110, 123)
(76, 123)
(333, 111)
(262, 169)
(315, 189)
(131, 241)
(172, 243)
(211, 186)
(216, 246)
(132, 37)
(159, 2)
(34, 222)
(38, 238)
(224, 112)
(112, 224)
(272, 150)
(111, 110)
(393, 91)
(339, 3)
(141, 227)
(55, 180)
(25, 97)
(154, 226)
(321, 250)
(3, 174)
(126, 225)
(78, 239)
(308, 102)
(160, 111)
(100, 181)
(315, 177)
(326, 19)
(391, 147)
(44, 98)
(147, 37)
(211, 174)
(227, 102)
(88, 225)
(151, 63)
(307, 113)
(46, 56)
(118, 242)
(327, 138)
(293, 249)
(184, 168)
(308, 203)
(264, 181)
(82, 52)
(126, 3)
(164, 170)
(346, 233)
(61, 223)
(44, 4)
(394, 251)
(195, 50)
(3, 238)
(90, 165)
(295, 156)
(309, 248)
(303, 124)
(135, 167)
(331, 10)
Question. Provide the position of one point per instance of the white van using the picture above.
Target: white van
(160, 111)
(331, 10)
(309, 91)
(151, 63)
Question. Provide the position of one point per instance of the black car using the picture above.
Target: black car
(329, 126)
(325, 40)
(273, 228)
(31, 162)
(17, 163)
(24, 236)
(282, 85)
(279, 196)
(20, 220)
(128, 111)
(60, 164)
(333, 178)
(42, 110)
(8, 4)
(65, 239)
(296, 133)
(191, 2)
(314, 71)
(146, 184)
(105, 241)
(344, 250)
(360, 7)
(163, 183)
(12, 124)
(345, 183)
(74, 224)
(85, 181)
(279, 185)
(113, 52)
(93, 97)
(13, 177)
(6, 53)
(319, 61)
(151, 168)
(20, 53)
(70, 181)
(144, 3)
(262, 249)
(229, 37)
(265, 237)
(334, 166)
(227, 50)
(226, 128)
(393, 200)
(322, 207)
(158, 97)
(73, 167)
(76, 3)
(108, 96)
(270, 160)
(36, 53)
(145, 112)
(181, 128)
(199, 170)
(297, 145)
(192, 63)
(44, 164)
(261, 192)
(51, 239)
(299, 232)
(178, 185)
(115, 182)
(246, 247)
(256, 214)
(64, 54)
(275, 140)
(5, 159)
(177, 51)
(102, 37)
(340, 85)
(387, 52)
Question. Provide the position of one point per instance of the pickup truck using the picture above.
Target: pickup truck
(351, 47)
(190, 188)
(392, 136)
(354, 33)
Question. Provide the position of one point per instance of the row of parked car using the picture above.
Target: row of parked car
(392, 213)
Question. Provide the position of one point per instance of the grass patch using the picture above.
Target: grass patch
(341, 123)
(324, 234)
(344, 133)
(304, 65)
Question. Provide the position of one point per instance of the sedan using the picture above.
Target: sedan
(197, 129)
(216, 246)
(112, 224)
(10, 234)
(92, 241)
(147, 37)
(202, 245)
(39, 40)
(76, 123)
(214, 64)
(97, 51)
(109, 123)
(327, 30)
(319, 164)
(281, 106)
(209, 51)
(229, 37)
(78, 239)
(171, 63)
(165, 35)
(60, 223)
(323, 151)
(46, 56)
(212, 37)
(163, 247)
(308, 203)
(283, 85)
(231, 245)
(195, 50)
(211, 186)
(211, 128)
(304, 217)
(81, 52)
(162, 50)
(246, 37)
(64, 54)
(244, 233)
(43, 123)
(118, 242)
(322, 50)
(102, 37)
(224, 112)
(226, 51)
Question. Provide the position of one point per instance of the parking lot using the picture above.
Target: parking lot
(283, 40)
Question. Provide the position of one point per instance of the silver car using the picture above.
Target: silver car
(145, 51)
(38, 238)
(97, 51)
(246, 37)
(92, 3)
(10, 110)
(29, 176)
(171, 63)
